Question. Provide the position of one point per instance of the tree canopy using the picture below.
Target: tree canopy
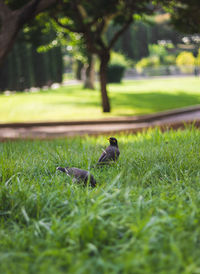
(185, 15)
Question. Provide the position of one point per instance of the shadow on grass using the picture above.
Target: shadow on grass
(136, 103)
(154, 101)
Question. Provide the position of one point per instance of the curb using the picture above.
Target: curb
(163, 127)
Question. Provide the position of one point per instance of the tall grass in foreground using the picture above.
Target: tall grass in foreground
(143, 217)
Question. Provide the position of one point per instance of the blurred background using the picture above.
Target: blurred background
(59, 53)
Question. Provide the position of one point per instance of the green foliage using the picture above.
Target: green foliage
(161, 51)
(148, 62)
(134, 42)
(143, 216)
(185, 61)
(198, 58)
(157, 50)
(157, 55)
(185, 58)
(96, 16)
(169, 60)
(117, 58)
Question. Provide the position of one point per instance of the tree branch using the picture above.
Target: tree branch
(65, 26)
(118, 33)
(106, 20)
(82, 11)
(27, 11)
(88, 35)
(43, 5)
(34, 7)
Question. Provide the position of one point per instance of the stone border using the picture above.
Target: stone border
(163, 127)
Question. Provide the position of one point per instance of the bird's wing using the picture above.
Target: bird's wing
(102, 157)
(112, 153)
(78, 173)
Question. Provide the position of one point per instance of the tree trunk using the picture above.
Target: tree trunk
(9, 30)
(12, 21)
(104, 59)
(79, 69)
(90, 73)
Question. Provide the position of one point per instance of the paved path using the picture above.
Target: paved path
(174, 119)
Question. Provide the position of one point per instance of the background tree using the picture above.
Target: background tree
(91, 19)
(154, 29)
(28, 64)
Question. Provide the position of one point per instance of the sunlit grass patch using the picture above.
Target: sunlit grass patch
(73, 102)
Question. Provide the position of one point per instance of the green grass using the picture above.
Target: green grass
(129, 98)
(143, 217)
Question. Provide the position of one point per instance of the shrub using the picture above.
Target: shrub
(185, 61)
(198, 58)
(115, 73)
(116, 67)
(169, 60)
(117, 58)
(157, 50)
(152, 61)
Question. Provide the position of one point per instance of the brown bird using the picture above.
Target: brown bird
(111, 153)
(79, 175)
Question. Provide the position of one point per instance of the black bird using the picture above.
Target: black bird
(111, 153)
(79, 175)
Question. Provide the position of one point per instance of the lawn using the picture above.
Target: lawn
(72, 102)
(143, 217)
